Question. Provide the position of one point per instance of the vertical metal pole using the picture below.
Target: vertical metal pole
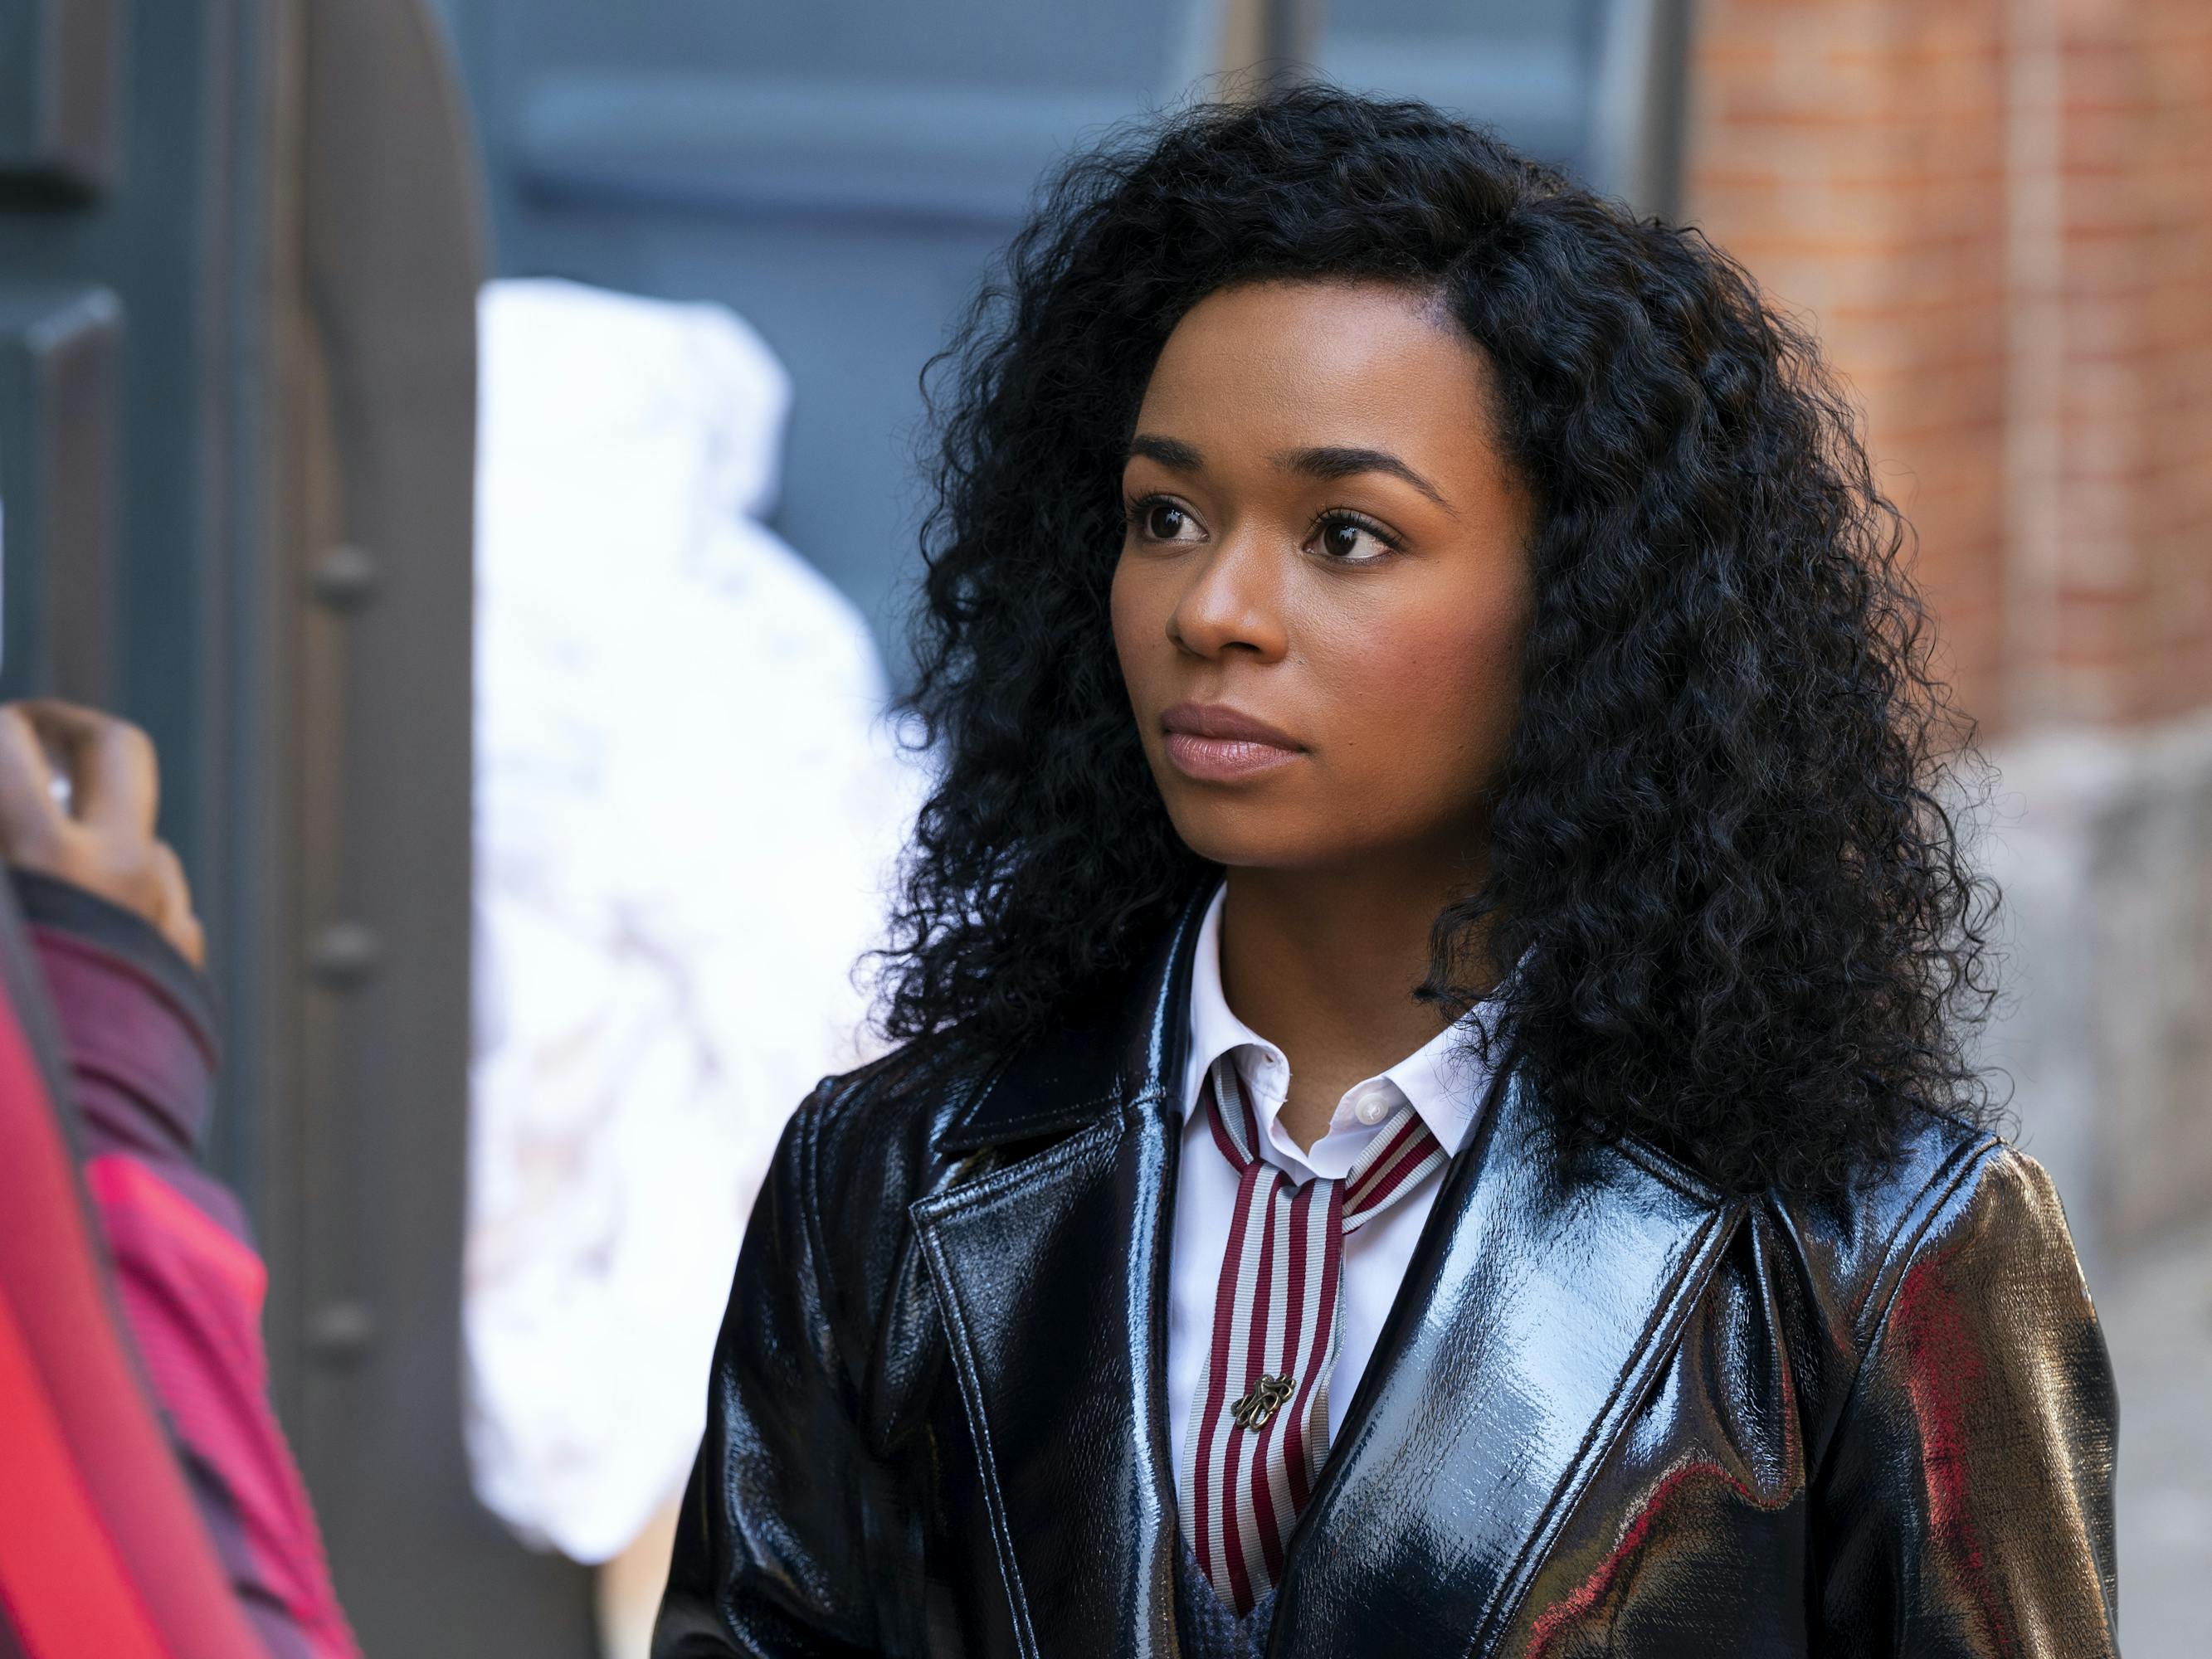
(1291, 38)
(1640, 103)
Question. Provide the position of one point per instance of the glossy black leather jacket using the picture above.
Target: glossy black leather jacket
(1624, 1415)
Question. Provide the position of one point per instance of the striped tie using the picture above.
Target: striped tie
(1259, 1420)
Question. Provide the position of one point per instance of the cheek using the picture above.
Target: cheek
(1137, 621)
(1430, 694)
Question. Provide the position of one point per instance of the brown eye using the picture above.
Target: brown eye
(1164, 521)
(1340, 539)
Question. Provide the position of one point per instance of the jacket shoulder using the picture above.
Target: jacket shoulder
(1950, 1180)
(898, 1105)
(858, 1151)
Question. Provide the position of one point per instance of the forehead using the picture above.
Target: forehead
(1321, 363)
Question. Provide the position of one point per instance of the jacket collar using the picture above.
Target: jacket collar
(1533, 1317)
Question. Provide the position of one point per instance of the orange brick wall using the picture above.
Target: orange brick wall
(1997, 214)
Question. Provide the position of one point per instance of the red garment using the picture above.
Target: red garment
(136, 1037)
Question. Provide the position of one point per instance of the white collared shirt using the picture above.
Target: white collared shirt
(1445, 1087)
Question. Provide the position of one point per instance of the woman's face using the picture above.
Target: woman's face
(1324, 585)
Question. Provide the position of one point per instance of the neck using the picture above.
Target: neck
(1324, 963)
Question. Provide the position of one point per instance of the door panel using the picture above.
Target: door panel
(58, 60)
(59, 365)
(378, 255)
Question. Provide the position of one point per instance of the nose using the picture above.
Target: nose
(1233, 602)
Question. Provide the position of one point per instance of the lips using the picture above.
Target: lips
(1212, 742)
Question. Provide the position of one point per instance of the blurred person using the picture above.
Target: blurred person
(1431, 1117)
(686, 810)
(111, 1553)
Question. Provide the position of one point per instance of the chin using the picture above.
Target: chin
(1246, 835)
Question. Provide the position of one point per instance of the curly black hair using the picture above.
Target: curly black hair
(1724, 848)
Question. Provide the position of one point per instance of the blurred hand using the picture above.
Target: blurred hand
(78, 791)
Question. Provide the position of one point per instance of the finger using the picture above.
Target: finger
(172, 894)
(190, 941)
(31, 820)
(114, 776)
(175, 917)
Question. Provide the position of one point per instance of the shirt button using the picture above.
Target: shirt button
(1374, 1106)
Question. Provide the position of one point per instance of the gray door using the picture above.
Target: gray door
(239, 249)
(117, 247)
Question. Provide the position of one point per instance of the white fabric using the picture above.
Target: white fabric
(1445, 1086)
(687, 809)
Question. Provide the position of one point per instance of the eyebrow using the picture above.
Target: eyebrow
(1322, 461)
(1171, 452)
(1336, 461)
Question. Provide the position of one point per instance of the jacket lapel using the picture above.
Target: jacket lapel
(1532, 1319)
(1051, 1274)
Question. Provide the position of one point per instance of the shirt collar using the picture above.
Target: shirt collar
(1441, 1078)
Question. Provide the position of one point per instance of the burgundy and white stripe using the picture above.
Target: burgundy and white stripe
(1275, 1314)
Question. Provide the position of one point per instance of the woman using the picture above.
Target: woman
(1365, 563)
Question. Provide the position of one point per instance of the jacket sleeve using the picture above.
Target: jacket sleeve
(136, 1030)
(770, 1556)
(1965, 1507)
